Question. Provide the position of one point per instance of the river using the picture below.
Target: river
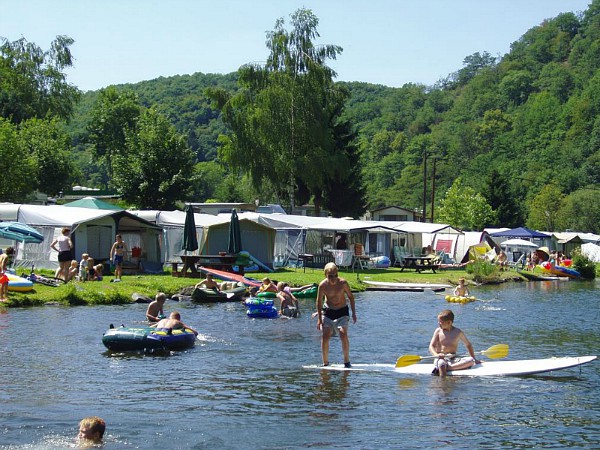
(244, 386)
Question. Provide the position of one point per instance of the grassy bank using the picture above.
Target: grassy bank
(105, 292)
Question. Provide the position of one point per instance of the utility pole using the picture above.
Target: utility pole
(433, 188)
(424, 186)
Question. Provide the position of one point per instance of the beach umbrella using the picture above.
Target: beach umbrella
(190, 240)
(20, 232)
(235, 235)
(518, 243)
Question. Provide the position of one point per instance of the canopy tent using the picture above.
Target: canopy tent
(92, 231)
(521, 232)
(93, 203)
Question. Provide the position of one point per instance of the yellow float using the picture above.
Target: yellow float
(459, 299)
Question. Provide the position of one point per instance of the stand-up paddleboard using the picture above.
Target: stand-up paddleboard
(506, 368)
(484, 369)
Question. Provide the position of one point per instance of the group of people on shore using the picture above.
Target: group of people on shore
(86, 269)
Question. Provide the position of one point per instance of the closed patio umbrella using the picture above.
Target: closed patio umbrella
(235, 235)
(190, 240)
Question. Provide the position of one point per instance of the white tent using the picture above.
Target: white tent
(258, 239)
(592, 251)
(92, 231)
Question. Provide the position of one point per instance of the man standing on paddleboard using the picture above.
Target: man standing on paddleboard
(332, 311)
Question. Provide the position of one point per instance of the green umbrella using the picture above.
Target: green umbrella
(235, 235)
(190, 240)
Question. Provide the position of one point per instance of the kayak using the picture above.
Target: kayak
(124, 339)
(484, 369)
(505, 368)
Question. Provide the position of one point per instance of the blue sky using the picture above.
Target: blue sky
(390, 42)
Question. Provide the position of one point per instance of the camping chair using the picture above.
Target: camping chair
(359, 257)
(519, 263)
(398, 257)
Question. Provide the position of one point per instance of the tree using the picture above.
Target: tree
(155, 171)
(581, 210)
(464, 208)
(282, 118)
(113, 115)
(32, 82)
(18, 168)
(544, 208)
(502, 200)
(48, 144)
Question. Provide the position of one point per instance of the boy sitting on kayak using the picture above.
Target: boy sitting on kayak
(444, 345)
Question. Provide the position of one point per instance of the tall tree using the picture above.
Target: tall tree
(32, 82)
(112, 116)
(283, 116)
(157, 168)
(48, 144)
(464, 208)
(18, 167)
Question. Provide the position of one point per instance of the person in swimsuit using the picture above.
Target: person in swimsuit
(208, 283)
(461, 289)
(117, 253)
(4, 260)
(155, 312)
(173, 323)
(290, 307)
(444, 345)
(333, 296)
(91, 429)
(65, 256)
(267, 286)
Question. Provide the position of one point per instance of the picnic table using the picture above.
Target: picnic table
(419, 263)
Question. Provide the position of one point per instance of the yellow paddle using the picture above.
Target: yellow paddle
(494, 352)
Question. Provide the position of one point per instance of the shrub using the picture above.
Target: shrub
(583, 265)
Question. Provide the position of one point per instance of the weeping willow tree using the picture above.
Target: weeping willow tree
(283, 116)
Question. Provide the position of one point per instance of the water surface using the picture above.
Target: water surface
(244, 385)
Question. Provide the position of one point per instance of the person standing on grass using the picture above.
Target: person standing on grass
(117, 254)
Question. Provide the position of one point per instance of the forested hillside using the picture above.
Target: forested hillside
(516, 137)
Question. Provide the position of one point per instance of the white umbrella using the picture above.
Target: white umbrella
(518, 243)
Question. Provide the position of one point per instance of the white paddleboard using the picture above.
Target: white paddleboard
(505, 368)
(391, 284)
(484, 369)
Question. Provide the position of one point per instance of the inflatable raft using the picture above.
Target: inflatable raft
(19, 284)
(204, 295)
(261, 307)
(459, 299)
(148, 339)
(560, 271)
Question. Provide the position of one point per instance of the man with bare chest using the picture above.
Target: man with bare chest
(333, 297)
(444, 345)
